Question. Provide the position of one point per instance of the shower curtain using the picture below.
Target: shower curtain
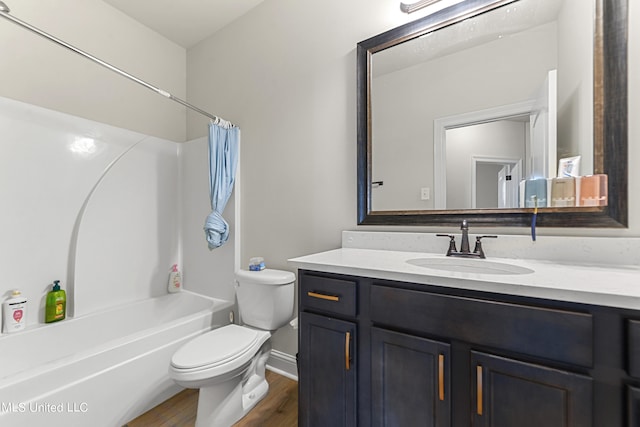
(224, 139)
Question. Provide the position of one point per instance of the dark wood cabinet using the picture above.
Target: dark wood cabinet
(509, 393)
(633, 403)
(409, 380)
(633, 339)
(327, 380)
(560, 335)
(422, 355)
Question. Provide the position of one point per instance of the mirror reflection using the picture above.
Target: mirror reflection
(459, 116)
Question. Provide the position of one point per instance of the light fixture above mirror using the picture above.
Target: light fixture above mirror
(412, 7)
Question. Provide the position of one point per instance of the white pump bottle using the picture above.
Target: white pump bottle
(175, 280)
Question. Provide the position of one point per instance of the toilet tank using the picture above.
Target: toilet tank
(265, 298)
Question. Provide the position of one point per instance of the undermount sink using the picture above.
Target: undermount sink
(466, 265)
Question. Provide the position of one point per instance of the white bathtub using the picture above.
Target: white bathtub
(103, 369)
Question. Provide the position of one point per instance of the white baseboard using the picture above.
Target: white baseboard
(283, 364)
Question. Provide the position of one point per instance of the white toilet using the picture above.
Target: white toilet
(228, 364)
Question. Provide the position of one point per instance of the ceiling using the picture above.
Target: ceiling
(185, 22)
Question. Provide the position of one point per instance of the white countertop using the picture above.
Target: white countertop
(607, 285)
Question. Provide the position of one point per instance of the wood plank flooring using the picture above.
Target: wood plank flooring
(278, 409)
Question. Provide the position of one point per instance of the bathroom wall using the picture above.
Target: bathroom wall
(39, 72)
(85, 203)
(129, 234)
(209, 272)
(575, 103)
(285, 72)
(104, 210)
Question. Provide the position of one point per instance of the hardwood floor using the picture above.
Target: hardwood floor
(278, 409)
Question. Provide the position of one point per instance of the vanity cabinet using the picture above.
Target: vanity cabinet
(633, 338)
(633, 403)
(327, 357)
(633, 359)
(504, 391)
(507, 392)
(409, 380)
(327, 376)
(426, 355)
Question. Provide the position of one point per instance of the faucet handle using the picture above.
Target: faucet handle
(452, 243)
(478, 248)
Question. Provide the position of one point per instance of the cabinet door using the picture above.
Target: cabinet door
(410, 380)
(510, 393)
(327, 383)
(633, 404)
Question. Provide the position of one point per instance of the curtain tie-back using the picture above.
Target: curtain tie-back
(216, 229)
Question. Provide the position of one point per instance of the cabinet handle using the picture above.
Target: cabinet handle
(347, 356)
(479, 389)
(323, 296)
(441, 376)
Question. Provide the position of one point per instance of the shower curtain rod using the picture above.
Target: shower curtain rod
(4, 12)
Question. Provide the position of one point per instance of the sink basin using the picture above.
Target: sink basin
(466, 265)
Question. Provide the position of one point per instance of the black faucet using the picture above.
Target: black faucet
(464, 243)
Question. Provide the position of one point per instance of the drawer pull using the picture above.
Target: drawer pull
(323, 296)
(347, 356)
(441, 376)
(479, 389)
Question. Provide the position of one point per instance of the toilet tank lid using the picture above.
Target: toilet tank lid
(265, 277)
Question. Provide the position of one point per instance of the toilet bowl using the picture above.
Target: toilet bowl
(228, 364)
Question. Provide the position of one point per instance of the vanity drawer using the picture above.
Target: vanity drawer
(633, 340)
(328, 295)
(564, 336)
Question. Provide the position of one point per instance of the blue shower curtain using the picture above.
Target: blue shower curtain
(223, 162)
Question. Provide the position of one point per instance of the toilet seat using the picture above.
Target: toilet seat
(218, 352)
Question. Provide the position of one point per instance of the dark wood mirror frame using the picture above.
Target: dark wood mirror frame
(610, 126)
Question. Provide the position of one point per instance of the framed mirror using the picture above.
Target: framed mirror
(458, 109)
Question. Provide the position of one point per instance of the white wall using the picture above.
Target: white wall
(109, 221)
(209, 272)
(39, 72)
(575, 93)
(128, 238)
(285, 72)
(129, 235)
(103, 220)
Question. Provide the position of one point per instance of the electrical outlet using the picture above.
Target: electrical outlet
(425, 193)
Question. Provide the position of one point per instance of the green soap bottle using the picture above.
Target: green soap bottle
(56, 306)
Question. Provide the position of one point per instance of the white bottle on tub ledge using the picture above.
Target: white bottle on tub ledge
(175, 280)
(15, 313)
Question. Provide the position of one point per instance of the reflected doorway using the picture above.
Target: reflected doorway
(495, 182)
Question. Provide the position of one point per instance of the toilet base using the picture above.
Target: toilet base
(259, 391)
(223, 404)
